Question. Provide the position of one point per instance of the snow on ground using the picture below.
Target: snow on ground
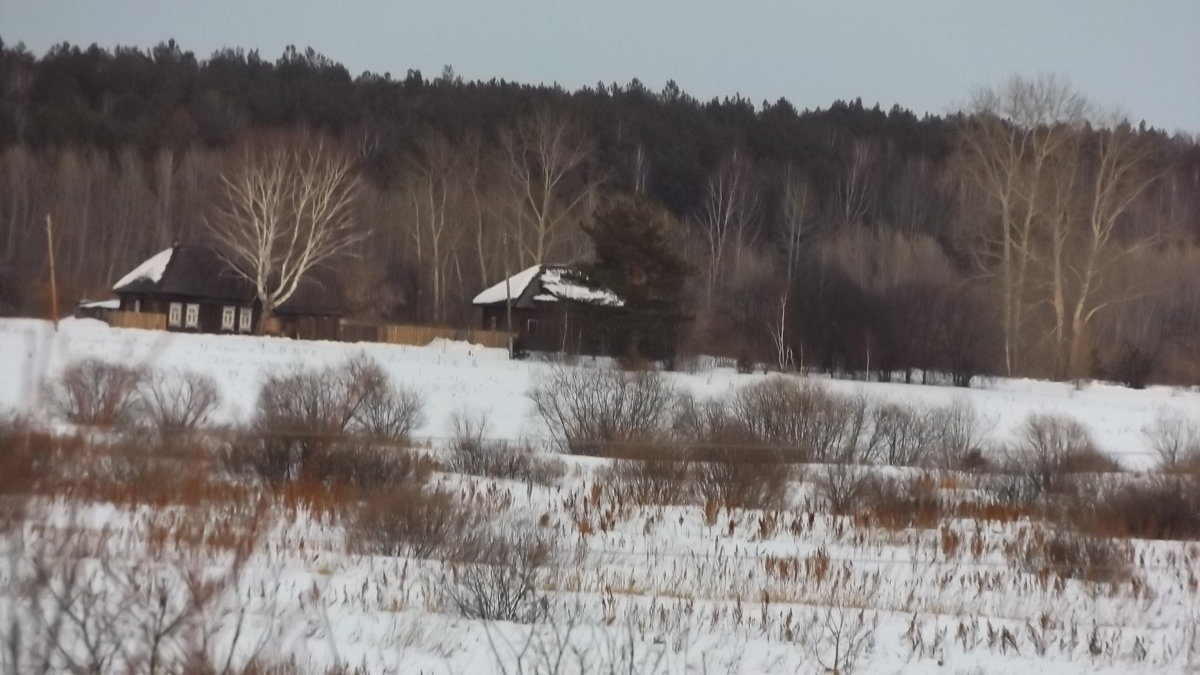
(665, 589)
(454, 375)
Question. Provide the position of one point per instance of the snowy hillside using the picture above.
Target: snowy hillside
(645, 575)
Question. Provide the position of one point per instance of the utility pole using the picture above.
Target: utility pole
(53, 278)
(508, 298)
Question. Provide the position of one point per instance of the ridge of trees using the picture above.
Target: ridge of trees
(849, 238)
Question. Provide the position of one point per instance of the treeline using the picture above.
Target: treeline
(1027, 235)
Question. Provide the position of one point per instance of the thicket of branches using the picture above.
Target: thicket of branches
(1031, 234)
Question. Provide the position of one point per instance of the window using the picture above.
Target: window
(175, 314)
(493, 323)
(228, 314)
(531, 326)
(137, 305)
(192, 318)
(245, 318)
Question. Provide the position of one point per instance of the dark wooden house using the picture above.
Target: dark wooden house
(553, 312)
(200, 291)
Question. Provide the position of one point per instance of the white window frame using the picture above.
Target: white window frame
(245, 319)
(175, 314)
(228, 317)
(137, 305)
(191, 316)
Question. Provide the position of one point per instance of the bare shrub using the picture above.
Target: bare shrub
(378, 407)
(1073, 556)
(1050, 447)
(356, 397)
(475, 454)
(902, 435)
(744, 485)
(170, 401)
(95, 393)
(1175, 438)
(802, 419)
(589, 410)
(411, 521)
(654, 481)
(960, 435)
(305, 420)
(899, 504)
(1166, 507)
(841, 486)
(841, 632)
(367, 465)
(72, 603)
(500, 583)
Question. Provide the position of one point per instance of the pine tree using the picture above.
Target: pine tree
(634, 258)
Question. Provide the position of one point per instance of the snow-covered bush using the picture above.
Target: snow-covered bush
(596, 411)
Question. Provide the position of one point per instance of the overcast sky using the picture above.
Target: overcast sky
(1140, 56)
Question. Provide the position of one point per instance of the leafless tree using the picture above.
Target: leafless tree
(284, 209)
(728, 216)
(546, 157)
(1119, 178)
(1007, 145)
(1174, 437)
(857, 188)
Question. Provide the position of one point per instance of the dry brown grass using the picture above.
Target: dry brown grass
(409, 520)
(896, 504)
(1066, 555)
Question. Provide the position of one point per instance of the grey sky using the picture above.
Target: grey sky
(928, 55)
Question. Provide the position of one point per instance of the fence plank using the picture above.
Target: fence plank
(142, 320)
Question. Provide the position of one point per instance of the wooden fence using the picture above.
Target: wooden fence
(143, 320)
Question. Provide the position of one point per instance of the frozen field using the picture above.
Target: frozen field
(646, 587)
(455, 376)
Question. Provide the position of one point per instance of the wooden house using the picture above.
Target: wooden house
(552, 312)
(198, 290)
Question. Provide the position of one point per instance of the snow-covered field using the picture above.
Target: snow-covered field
(652, 587)
(456, 376)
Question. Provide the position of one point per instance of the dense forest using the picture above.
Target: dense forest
(1031, 234)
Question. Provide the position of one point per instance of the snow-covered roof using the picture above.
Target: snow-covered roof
(553, 281)
(514, 287)
(152, 269)
(553, 286)
(100, 304)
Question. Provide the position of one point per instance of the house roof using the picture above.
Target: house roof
(202, 273)
(186, 270)
(545, 283)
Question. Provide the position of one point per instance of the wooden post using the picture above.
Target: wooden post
(53, 277)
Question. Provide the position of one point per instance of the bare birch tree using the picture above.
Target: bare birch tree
(728, 214)
(545, 157)
(1006, 148)
(1120, 176)
(433, 189)
(284, 209)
